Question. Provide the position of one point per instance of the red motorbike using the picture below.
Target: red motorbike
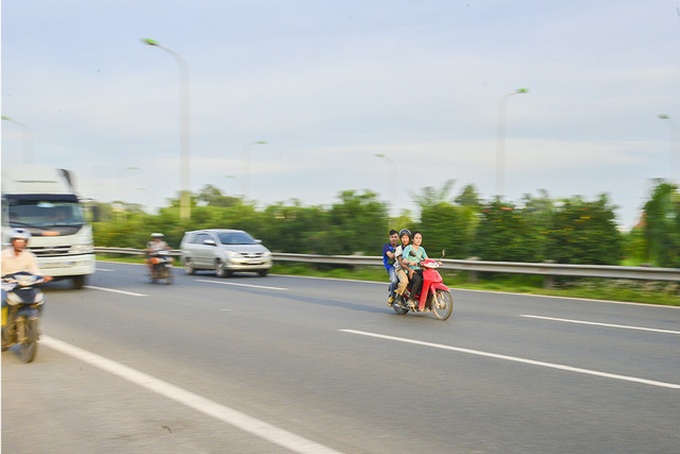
(434, 296)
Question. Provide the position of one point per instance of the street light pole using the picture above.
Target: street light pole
(675, 140)
(245, 167)
(500, 140)
(390, 178)
(27, 138)
(185, 195)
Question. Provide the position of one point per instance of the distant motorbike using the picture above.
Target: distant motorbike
(434, 296)
(161, 266)
(21, 316)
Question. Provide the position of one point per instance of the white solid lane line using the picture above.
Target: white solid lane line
(608, 325)
(235, 284)
(112, 290)
(225, 414)
(517, 359)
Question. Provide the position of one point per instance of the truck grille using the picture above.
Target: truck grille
(50, 250)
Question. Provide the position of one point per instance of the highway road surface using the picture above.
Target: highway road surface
(291, 364)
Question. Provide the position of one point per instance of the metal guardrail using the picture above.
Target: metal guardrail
(473, 266)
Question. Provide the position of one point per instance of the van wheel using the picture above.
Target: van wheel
(220, 270)
(263, 273)
(189, 266)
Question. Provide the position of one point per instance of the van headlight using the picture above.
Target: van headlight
(231, 255)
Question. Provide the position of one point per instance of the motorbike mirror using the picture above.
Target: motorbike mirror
(412, 254)
(443, 253)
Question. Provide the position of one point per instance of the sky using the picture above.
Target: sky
(389, 96)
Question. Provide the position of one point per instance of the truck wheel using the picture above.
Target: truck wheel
(78, 282)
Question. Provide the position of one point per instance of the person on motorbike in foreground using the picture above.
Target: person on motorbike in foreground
(156, 244)
(399, 266)
(389, 262)
(16, 258)
(412, 256)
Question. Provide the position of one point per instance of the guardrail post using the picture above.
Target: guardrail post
(473, 276)
(356, 254)
(548, 279)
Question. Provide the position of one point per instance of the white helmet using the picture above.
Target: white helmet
(157, 235)
(19, 234)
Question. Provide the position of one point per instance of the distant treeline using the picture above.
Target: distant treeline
(535, 229)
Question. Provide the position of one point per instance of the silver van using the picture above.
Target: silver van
(224, 251)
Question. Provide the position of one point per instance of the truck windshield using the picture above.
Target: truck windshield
(45, 215)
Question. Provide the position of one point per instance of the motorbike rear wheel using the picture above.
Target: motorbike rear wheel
(398, 307)
(167, 274)
(442, 304)
(27, 337)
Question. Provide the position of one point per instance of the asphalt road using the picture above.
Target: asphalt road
(286, 364)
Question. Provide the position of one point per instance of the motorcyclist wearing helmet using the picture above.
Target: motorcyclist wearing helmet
(16, 258)
(156, 244)
(399, 267)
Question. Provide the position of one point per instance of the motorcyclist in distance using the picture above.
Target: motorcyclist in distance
(156, 244)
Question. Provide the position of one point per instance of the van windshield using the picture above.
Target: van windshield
(236, 238)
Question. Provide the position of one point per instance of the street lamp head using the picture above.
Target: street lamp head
(664, 117)
(5, 117)
(261, 142)
(150, 42)
(522, 90)
(380, 155)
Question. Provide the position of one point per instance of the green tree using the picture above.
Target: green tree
(584, 233)
(430, 196)
(450, 227)
(295, 229)
(358, 224)
(469, 198)
(211, 195)
(662, 225)
(504, 234)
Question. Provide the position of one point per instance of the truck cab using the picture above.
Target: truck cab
(44, 201)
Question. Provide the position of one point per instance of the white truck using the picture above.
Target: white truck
(43, 200)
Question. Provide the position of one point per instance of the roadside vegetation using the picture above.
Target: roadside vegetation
(537, 228)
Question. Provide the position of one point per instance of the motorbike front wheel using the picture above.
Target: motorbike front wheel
(27, 337)
(442, 304)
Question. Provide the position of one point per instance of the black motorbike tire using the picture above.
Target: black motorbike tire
(168, 276)
(442, 304)
(398, 308)
(29, 348)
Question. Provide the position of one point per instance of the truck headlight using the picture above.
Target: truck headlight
(82, 248)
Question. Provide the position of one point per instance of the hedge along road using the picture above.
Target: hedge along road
(283, 364)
